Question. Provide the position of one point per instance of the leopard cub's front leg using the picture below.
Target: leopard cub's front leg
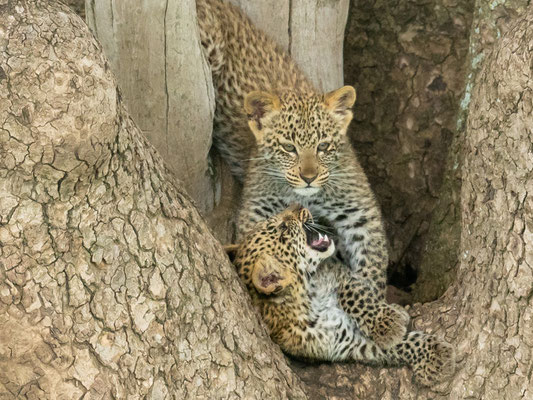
(386, 324)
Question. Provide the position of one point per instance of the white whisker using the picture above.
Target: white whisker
(322, 228)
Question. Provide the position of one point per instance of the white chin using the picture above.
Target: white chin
(329, 252)
(308, 191)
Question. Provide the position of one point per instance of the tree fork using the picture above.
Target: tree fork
(111, 284)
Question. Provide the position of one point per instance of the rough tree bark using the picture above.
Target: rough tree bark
(154, 50)
(312, 32)
(487, 312)
(440, 253)
(407, 60)
(111, 285)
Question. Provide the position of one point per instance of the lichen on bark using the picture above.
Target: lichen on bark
(111, 285)
(440, 257)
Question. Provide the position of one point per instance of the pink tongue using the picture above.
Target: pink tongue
(317, 242)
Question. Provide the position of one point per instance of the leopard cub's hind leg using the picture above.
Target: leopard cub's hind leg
(386, 324)
(431, 359)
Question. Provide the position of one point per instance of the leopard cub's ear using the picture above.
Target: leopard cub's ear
(258, 106)
(340, 102)
(268, 275)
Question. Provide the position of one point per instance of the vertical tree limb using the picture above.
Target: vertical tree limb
(154, 50)
(311, 31)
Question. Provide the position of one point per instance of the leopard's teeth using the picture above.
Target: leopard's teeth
(320, 237)
(326, 238)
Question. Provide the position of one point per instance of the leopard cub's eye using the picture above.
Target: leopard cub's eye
(323, 146)
(289, 147)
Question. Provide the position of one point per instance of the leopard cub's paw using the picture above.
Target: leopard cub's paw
(435, 361)
(390, 325)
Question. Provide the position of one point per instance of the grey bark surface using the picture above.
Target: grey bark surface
(487, 313)
(312, 32)
(111, 285)
(154, 50)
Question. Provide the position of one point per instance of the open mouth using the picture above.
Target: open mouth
(316, 240)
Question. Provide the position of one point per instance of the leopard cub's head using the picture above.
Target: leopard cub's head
(278, 253)
(299, 134)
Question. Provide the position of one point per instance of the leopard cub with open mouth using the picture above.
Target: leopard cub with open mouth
(316, 308)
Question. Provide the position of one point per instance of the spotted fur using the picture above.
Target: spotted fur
(242, 60)
(318, 311)
(290, 139)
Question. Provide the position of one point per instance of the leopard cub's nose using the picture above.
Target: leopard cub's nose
(308, 179)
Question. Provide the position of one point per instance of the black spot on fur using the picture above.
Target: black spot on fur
(351, 210)
(268, 210)
(343, 335)
(340, 217)
(362, 221)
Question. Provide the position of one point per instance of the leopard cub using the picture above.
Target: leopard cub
(319, 309)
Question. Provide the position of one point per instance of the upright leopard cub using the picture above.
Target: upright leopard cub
(301, 153)
(322, 313)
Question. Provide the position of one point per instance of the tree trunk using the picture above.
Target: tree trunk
(438, 263)
(312, 32)
(487, 312)
(154, 50)
(407, 60)
(111, 285)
